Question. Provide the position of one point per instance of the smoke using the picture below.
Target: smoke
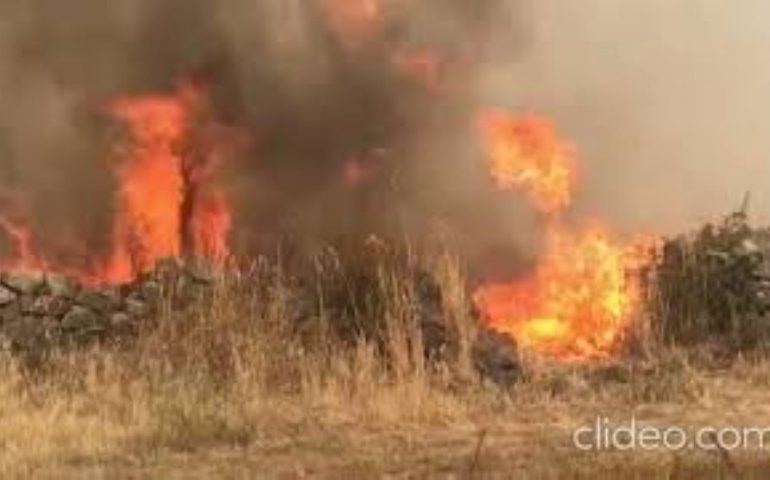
(668, 103)
(363, 122)
(320, 101)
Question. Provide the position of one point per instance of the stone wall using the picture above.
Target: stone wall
(40, 310)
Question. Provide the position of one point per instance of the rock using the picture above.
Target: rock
(122, 323)
(184, 289)
(187, 291)
(60, 286)
(31, 334)
(137, 308)
(7, 296)
(166, 270)
(749, 247)
(45, 305)
(28, 282)
(10, 313)
(81, 321)
(151, 291)
(200, 272)
(496, 358)
(104, 300)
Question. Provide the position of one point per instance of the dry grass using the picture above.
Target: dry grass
(235, 390)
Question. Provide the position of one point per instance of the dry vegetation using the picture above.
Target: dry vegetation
(245, 387)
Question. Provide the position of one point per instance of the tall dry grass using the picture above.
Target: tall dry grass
(273, 353)
(240, 365)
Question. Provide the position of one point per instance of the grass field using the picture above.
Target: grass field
(234, 390)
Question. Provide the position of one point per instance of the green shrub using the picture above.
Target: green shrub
(714, 285)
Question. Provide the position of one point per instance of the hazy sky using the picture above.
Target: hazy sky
(667, 101)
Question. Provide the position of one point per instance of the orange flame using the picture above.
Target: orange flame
(526, 153)
(167, 204)
(150, 184)
(165, 207)
(577, 303)
(581, 297)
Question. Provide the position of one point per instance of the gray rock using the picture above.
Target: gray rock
(10, 313)
(31, 334)
(61, 286)
(28, 282)
(83, 321)
(200, 272)
(167, 270)
(137, 308)
(44, 305)
(7, 296)
(151, 291)
(749, 247)
(496, 358)
(104, 300)
(187, 290)
(121, 323)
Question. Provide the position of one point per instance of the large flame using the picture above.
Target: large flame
(148, 225)
(575, 305)
(580, 299)
(166, 207)
(166, 202)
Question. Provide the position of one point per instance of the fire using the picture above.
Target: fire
(166, 207)
(580, 299)
(575, 305)
(526, 153)
(167, 203)
(150, 183)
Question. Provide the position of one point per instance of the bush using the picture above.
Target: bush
(713, 285)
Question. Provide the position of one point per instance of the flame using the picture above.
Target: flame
(165, 206)
(576, 304)
(150, 183)
(526, 153)
(581, 297)
(167, 203)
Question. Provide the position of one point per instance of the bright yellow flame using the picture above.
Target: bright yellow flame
(580, 299)
(526, 153)
(577, 303)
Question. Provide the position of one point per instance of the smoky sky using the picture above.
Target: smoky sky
(666, 102)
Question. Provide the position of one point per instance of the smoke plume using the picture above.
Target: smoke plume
(360, 113)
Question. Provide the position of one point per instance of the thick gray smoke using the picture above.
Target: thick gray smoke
(667, 103)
